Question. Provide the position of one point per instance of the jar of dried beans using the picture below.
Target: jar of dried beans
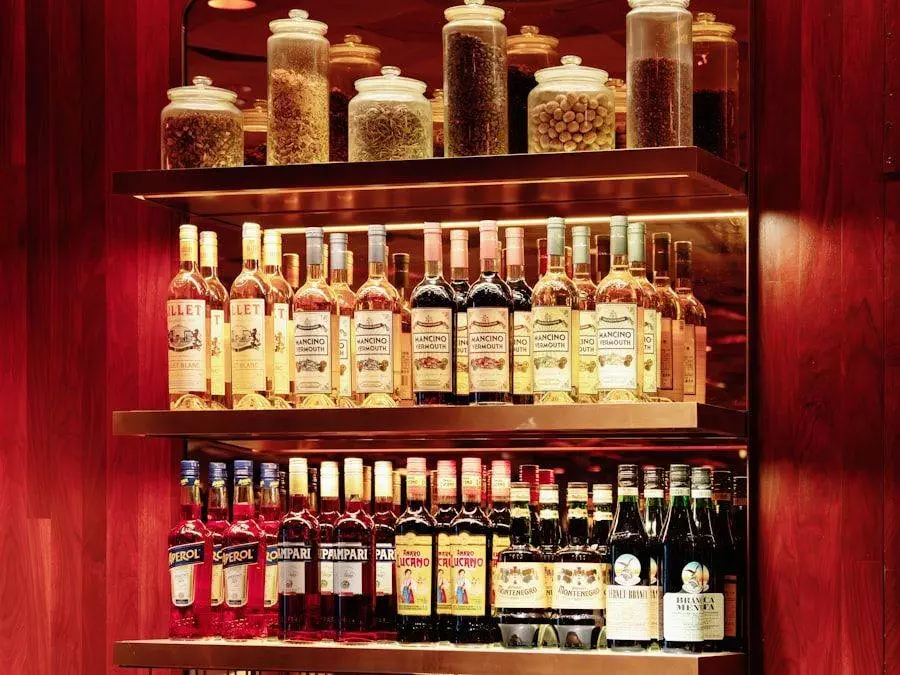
(715, 87)
(350, 61)
(658, 63)
(475, 80)
(389, 118)
(571, 109)
(201, 127)
(526, 54)
(298, 90)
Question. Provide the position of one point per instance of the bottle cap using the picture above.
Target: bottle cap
(618, 235)
(488, 239)
(576, 492)
(581, 244)
(416, 465)
(721, 481)
(679, 475)
(653, 478)
(740, 487)
(520, 492)
(546, 477)
(250, 230)
(384, 479)
(190, 468)
(431, 228)
(299, 476)
(353, 465)
(337, 251)
(377, 236)
(549, 494)
(701, 478)
(243, 468)
(217, 471)
(628, 475)
(314, 237)
(602, 493)
(268, 471)
(500, 475)
(459, 248)
(636, 242)
(470, 465)
(207, 237)
(328, 473)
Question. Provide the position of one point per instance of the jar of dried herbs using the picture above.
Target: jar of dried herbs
(298, 90)
(715, 87)
(475, 80)
(571, 109)
(658, 58)
(201, 127)
(389, 118)
(526, 54)
(351, 60)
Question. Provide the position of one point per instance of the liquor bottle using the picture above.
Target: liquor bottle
(587, 380)
(219, 328)
(602, 497)
(739, 531)
(278, 327)
(555, 324)
(249, 308)
(290, 263)
(470, 554)
(397, 498)
(704, 515)
(244, 562)
(217, 523)
(298, 578)
(618, 333)
(187, 320)
(489, 306)
(551, 539)
(314, 491)
(415, 555)
(499, 515)
(376, 328)
(601, 251)
(694, 326)
(346, 305)
(282, 491)
(354, 566)
(633, 591)
(671, 323)
(315, 310)
(385, 523)
(444, 516)
(648, 311)
(330, 511)
(459, 280)
(190, 562)
(519, 593)
(433, 316)
(523, 366)
(401, 283)
(528, 473)
(729, 569)
(367, 490)
(348, 254)
(270, 518)
(654, 517)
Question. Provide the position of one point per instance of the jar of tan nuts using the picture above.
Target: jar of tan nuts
(571, 109)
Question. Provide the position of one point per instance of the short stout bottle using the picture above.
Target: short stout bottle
(713, 610)
(219, 328)
(554, 312)
(470, 553)
(346, 304)
(523, 366)
(187, 323)
(489, 306)
(190, 562)
(499, 515)
(444, 516)
(270, 518)
(519, 592)
(298, 579)
(217, 523)
(414, 560)
(586, 379)
(671, 322)
(603, 262)
(384, 520)
(632, 596)
(551, 538)
(694, 326)
(329, 512)
(729, 569)
(400, 281)
(279, 356)
(433, 316)
(459, 279)
(648, 310)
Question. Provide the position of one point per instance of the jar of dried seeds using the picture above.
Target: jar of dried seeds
(351, 60)
(389, 118)
(201, 127)
(715, 87)
(475, 80)
(571, 109)
(256, 125)
(298, 90)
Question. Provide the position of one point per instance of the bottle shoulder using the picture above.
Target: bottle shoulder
(618, 287)
(316, 291)
(217, 291)
(432, 292)
(279, 288)
(378, 292)
(188, 286)
(249, 285)
(489, 291)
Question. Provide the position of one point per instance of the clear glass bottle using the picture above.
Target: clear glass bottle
(346, 305)
(459, 280)
(280, 355)
(384, 520)
(523, 363)
(474, 40)
(587, 378)
(648, 311)
(694, 326)
(297, 54)
(219, 327)
(400, 281)
(350, 61)
(256, 125)
(671, 322)
(659, 58)
(715, 87)
(526, 54)
(437, 120)
(601, 252)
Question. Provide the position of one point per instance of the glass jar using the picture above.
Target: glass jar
(620, 91)
(437, 120)
(201, 127)
(715, 87)
(658, 63)
(526, 54)
(350, 61)
(571, 109)
(389, 118)
(298, 90)
(256, 120)
(475, 80)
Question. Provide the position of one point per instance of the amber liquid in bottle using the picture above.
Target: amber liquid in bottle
(671, 323)
(278, 324)
(694, 326)
(523, 366)
(587, 380)
(339, 260)
(401, 283)
(219, 326)
(649, 312)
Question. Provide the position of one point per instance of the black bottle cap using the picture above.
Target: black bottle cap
(628, 475)
(701, 478)
(653, 478)
(679, 475)
(721, 481)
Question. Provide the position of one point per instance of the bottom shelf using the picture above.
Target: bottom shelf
(395, 658)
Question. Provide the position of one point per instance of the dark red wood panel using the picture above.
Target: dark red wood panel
(892, 432)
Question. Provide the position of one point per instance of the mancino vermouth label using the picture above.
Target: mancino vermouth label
(552, 340)
(489, 351)
(617, 347)
(374, 356)
(312, 352)
(432, 349)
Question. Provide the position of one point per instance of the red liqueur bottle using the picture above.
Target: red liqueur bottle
(217, 523)
(270, 519)
(385, 521)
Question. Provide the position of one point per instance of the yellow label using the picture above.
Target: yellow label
(650, 358)
(432, 350)
(552, 345)
(523, 366)
(462, 354)
(469, 556)
(489, 349)
(499, 543)
(248, 345)
(617, 346)
(520, 585)
(587, 353)
(444, 575)
(217, 352)
(186, 323)
(413, 560)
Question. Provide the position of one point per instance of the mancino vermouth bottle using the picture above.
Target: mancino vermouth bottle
(219, 326)
(339, 260)
(279, 324)
(587, 380)
(648, 311)
(459, 279)
(523, 365)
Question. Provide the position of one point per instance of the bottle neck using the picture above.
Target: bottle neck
(376, 269)
(459, 274)
(269, 502)
(338, 276)
(209, 272)
(187, 266)
(330, 504)
(217, 507)
(384, 504)
(243, 502)
(190, 501)
(662, 280)
(556, 263)
(520, 527)
(433, 268)
(315, 272)
(489, 265)
(578, 529)
(582, 271)
(638, 270)
(299, 502)
(683, 284)
(628, 514)
(619, 262)
(515, 272)
(272, 270)
(251, 264)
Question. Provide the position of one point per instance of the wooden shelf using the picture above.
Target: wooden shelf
(655, 180)
(394, 658)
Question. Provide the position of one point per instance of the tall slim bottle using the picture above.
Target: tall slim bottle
(270, 518)
(400, 281)
(278, 327)
(671, 322)
(694, 326)
(551, 539)
(654, 520)
(739, 531)
(704, 516)
(648, 310)
(523, 364)
(187, 323)
(219, 327)
(329, 512)
(444, 516)
(587, 379)
(459, 280)
(217, 523)
(489, 306)
(499, 516)
(732, 582)
(316, 332)
(384, 519)
(338, 259)
(601, 253)
(290, 264)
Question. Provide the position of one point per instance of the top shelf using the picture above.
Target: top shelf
(634, 182)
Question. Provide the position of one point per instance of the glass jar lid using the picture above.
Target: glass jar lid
(658, 4)
(437, 106)
(352, 50)
(298, 21)
(201, 90)
(572, 70)
(474, 9)
(390, 80)
(705, 27)
(257, 117)
(530, 41)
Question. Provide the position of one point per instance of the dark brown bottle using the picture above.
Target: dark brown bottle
(385, 520)
(551, 537)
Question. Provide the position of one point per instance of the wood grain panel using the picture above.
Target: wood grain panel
(892, 431)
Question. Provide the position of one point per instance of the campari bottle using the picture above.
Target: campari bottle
(190, 562)
(270, 519)
(523, 366)
(217, 523)
(384, 520)
(444, 516)
(329, 513)
(459, 280)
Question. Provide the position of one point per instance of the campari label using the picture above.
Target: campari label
(432, 350)
(470, 564)
(617, 346)
(374, 355)
(183, 560)
(248, 349)
(292, 562)
(326, 569)
(413, 574)
(312, 353)
(217, 595)
(489, 351)
(186, 324)
(523, 366)
(349, 560)
(384, 569)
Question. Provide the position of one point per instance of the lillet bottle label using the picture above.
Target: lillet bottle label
(248, 355)
(186, 323)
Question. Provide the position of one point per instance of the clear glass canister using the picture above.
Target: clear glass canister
(351, 60)
(298, 90)
(201, 127)
(658, 58)
(571, 109)
(715, 87)
(620, 91)
(389, 118)
(526, 54)
(256, 121)
(475, 80)
(437, 119)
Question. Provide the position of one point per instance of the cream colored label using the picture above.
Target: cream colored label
(312, 353)
(462, 354)
(445, 592)
(405, 389)
(587, 353)
(552, 343)
(248, 352)
(649, 365)
(345, 373)
(374, 354)
(617, 345)
(217, 593)
(693, 617)
(700, 357)
(432, 350)
(690, 361)
(413, 560)
(384, 569)
(489, 349)
(270, 598)
(468, 553)
(632, 612)
(523, 366)
(280, 348)
(666, 354)
(186, 323)
(577, 586)
(520, 585)
(217, 352)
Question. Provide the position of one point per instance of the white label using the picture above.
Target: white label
(617, 346)
(281, 355)
(690, 361)
(666, 355)
(217, 594)
(344, 329)
(384, 569)
(489, 351)
(632, 612)
(236, 585)
(270, 591)
(523, 366)
(577, 586)
(587, 353)
(374, 355)
(654, 493)
(312, 353)
(326, 568)
(693, 617)
(432, 350)
(217, 352)
(183, 560)
(650, 366)
(462, 353)
(248, 348)
(700, 354)
(348, 578)
(186, 324)
(552, 344)
(292, 560)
